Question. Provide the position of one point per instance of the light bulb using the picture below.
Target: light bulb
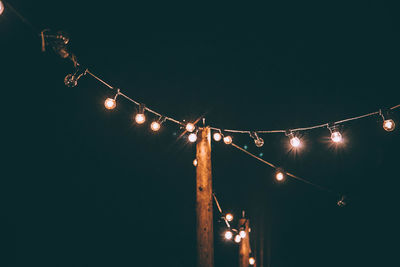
(195, 162)
(238, 238)
(1, 7)
(70, 80)
(140, 118)
(242, 233)
(259, 142)
(279, 176)
(295, 141)
(228, 235)
(192, 137)
(155, 126)
(389, 125)
(336, 136)
(227, 140)
(252, 261)
(217, 137)
(229, 217)
(190, 127)
(110, 103)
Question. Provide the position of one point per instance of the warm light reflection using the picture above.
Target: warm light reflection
(227, 140)
(190, 127)
(217, 137)
(192, 137)
(229, 217)
(228, 235)
(389, 125)
(195, 162)
(110, 103)
(155, 126)
(140, 118)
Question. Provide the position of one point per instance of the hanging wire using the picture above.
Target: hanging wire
(287, 173)
(220, 211)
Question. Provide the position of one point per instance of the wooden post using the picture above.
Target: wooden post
(244, 247)
(204, 204)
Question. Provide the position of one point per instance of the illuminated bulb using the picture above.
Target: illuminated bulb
(229, 217)
(195, 162)
(228, 235)
(389, 125)
(1, 7)
(242, 233)
(192, 137)
(140, 118)
(336, 137)
(279, 176)
(110, 103)
(295, 141)
(155, 126)
(217, 137)
(252, 261)
(238, 238)
(227, 140)
(190, 127)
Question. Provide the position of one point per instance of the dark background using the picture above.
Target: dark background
(82, 186)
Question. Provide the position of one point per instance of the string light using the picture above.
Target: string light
(155, 126)
(294, 140)
(242, 233)
(217, 136)
(140, 118)
(336, 136)
(237, 238)
(192, 137)
(229, 217)
(389, 125)
(279, 175)
(110, 103)
(190, 127)
(1, 7)
(228, 139)
(195, 162)
(252, 261)
(228, 235)
(259, 142)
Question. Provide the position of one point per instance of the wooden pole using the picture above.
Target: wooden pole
(204, 204)
(244, 247)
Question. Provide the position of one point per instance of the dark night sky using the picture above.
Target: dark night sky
(81, 186)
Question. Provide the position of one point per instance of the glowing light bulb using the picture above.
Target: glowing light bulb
(192, 137)
(279, 176)
(336, 136)
(389, 125)
(252, 261)
(1, 7)
(140, 118)
(190, 127)
(242, 233)
(229, 217)
(238, 238)
(295, 141)
(217, 137)
(228, 235)
(195, 162)
(227, 140)
(110, 103)
(155, 126)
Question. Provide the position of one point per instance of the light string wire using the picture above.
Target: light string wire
(275, 167)
(73, 58)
